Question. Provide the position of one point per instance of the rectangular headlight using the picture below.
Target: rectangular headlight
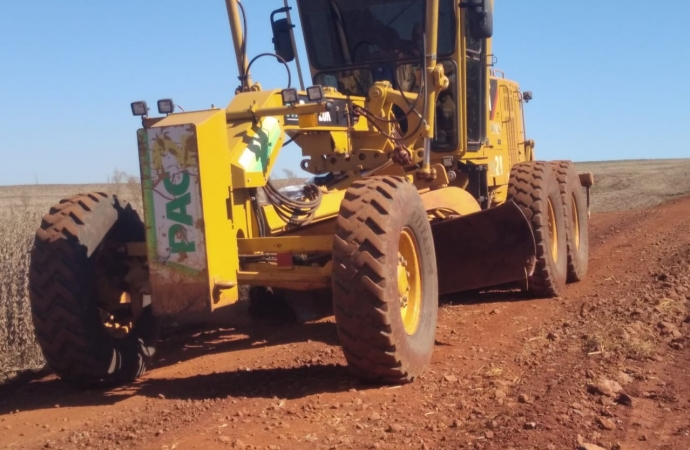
(166, 106)
(139, 108)
(315, 93)
(289, 96)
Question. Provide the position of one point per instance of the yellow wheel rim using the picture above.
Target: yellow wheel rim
(576, 223)
(118, 328)
(553, 232)
(409, 281)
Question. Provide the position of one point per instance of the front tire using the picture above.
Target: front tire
(385, 285)
(76, 277)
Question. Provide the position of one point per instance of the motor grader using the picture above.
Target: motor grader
(424, 183)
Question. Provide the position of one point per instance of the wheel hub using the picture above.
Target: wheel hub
(119, 322)
(118, 283)
(409, 281)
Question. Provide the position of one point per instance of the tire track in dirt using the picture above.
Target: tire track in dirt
(507, 372)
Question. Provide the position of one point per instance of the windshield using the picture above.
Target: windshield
(346, 33)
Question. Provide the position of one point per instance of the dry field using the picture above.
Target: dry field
(21, 209)
(620, 185)
(631, 185)
(17, 347)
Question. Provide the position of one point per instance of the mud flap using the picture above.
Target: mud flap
(484, 249)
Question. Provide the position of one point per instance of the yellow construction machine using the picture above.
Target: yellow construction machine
(424, 183)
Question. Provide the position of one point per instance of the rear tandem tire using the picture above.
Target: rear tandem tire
(68, 256)
(576, 217)
(385, 285)
(534, 188)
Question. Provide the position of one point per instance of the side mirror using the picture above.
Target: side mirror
(282, 38)
(481, 18)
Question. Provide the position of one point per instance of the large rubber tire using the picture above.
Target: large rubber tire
(374, 216)
(576, 217)
(64, 296)
(534, 188)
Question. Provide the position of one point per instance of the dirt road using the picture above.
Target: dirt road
(508, 372)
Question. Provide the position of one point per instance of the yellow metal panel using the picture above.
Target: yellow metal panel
(260, 99)
(286, 244)
(214, 168)
(297, 277)
(341, 142)
(324, 227)
(500, 195)
(253, 179)
(241, 214)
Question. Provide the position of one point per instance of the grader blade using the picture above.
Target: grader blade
(487, 248)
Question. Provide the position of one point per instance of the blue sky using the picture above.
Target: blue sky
(610, 78)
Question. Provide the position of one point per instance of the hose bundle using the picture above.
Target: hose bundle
(295, 212)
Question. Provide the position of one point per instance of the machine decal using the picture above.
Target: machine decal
(171, 184)
(255, 157)
(336, 117)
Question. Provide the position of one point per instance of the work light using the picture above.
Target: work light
(140, 108)
(289, 96)
(166, 106)
(315, 93)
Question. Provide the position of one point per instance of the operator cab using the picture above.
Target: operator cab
(352, 44)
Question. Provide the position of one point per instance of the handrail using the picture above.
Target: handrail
(494, 71)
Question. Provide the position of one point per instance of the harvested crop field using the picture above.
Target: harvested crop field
(604, 365)
(626, 185)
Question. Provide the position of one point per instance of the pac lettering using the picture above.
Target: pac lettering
(176, 210)
(176, 239)
(177, 189)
